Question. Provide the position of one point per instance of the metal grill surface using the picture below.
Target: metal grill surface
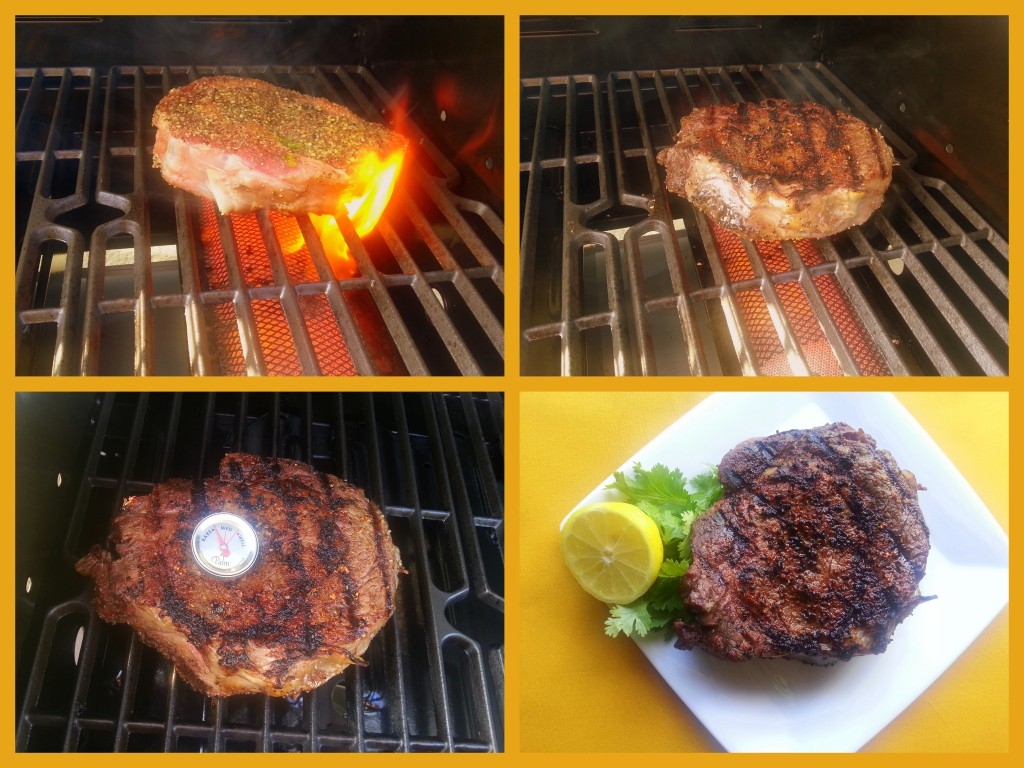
(620, 277)
(115, 274)
(434, 678)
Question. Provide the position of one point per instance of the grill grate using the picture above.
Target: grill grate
(619, 277)
(434, 679)
(113, 276)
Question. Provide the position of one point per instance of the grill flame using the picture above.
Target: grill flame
(372, 185)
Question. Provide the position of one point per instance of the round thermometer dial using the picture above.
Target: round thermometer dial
(225, 545)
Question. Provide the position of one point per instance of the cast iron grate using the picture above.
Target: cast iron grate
(619, 277)
(434, 679)
(115, 273)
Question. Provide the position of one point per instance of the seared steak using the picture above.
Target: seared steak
(322, 586)
(814, 552)
(779, 170)
(248, 144)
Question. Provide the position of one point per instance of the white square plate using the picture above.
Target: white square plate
(787, 706)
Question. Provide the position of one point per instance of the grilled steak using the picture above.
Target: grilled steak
(322, 585)
(814, 552)
(779, 170)
(248, 144)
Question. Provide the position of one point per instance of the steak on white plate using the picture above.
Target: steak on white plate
(815, 551)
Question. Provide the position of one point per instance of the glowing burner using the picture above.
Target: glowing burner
(769, 353)
(372, 184)
(275, 337)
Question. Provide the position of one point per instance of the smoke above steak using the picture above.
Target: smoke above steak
(815, 551)
(248, 144)
(322, 586)
(779, 170)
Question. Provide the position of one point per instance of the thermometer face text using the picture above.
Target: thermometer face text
(225, 545)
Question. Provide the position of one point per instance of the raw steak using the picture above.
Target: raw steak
(248, 144)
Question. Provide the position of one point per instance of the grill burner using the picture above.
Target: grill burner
(619, 277)
(755, 316)
(434, 675)
(276, 343)
(115, 272)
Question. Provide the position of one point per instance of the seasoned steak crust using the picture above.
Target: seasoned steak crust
(323, 585)
(248, 144)
(779, 170)
(815, 551)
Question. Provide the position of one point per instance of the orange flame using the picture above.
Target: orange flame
(372, 185)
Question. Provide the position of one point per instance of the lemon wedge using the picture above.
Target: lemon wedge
(613, 549)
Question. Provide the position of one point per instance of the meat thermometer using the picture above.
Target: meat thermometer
(225, 545)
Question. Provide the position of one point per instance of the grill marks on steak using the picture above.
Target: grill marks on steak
(779, 170)
(248, 144)
(815, 552)
(323, 585)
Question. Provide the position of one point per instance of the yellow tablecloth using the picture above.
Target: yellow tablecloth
(581, 691)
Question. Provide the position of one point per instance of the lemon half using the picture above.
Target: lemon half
(613, 549)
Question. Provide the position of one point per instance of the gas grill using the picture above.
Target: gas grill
(434, 676)
(118, 273)
(620, 277)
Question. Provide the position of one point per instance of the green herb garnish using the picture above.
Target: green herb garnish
(673, 502)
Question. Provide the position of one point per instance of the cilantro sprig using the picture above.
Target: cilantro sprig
(673, 502)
